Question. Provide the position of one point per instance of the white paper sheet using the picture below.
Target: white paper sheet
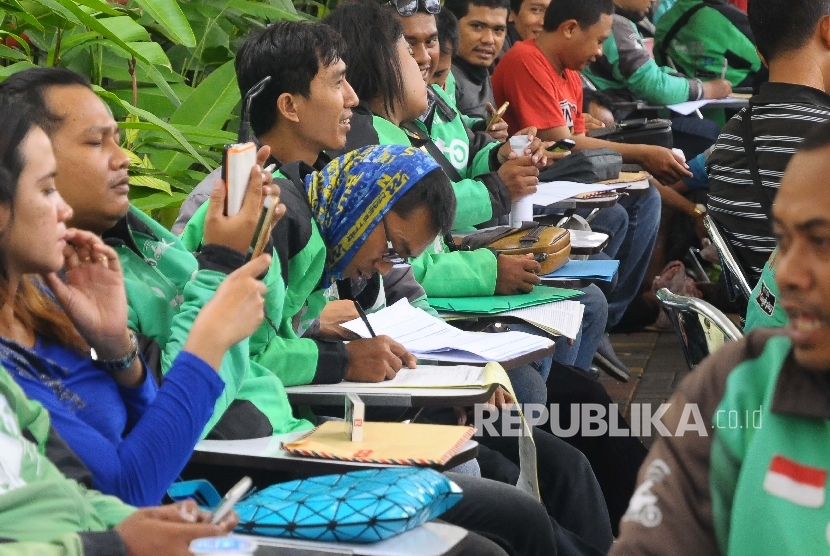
(690, 107)
(425, 376)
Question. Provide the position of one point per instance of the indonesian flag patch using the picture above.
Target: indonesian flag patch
(796, 482)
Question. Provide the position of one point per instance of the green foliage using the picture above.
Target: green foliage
(165, 68)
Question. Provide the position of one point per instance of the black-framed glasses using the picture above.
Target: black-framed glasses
(407, 8)
(391, 255)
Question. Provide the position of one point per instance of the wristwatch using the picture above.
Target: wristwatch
(700, 209)
(123, 364)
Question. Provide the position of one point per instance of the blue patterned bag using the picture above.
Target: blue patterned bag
(361, 506)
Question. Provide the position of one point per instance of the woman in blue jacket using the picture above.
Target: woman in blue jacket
(134, 435)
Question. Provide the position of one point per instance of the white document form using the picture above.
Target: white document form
(548, 193)
(424, 335)
(562, 318)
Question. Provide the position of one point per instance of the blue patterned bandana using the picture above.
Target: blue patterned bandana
(352, 193)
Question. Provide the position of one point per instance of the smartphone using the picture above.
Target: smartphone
(237, 161)
(563, 145)
(499, 113)
(233, 496)
(263, 226)
(633, 124)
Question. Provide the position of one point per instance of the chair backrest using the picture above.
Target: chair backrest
(701, 327)
(734, 275)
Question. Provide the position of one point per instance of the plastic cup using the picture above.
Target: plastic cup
(521, 211)
(222, 546)
(519, 143)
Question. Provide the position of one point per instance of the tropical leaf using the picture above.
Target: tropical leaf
(209, 106)
(169, 16)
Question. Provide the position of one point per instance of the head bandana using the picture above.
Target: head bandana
(352, 193)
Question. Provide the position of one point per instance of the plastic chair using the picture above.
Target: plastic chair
(736, 281)
(701, 327)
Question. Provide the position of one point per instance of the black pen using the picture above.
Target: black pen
(364, 318)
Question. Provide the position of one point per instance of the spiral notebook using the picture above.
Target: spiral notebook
(386, 443)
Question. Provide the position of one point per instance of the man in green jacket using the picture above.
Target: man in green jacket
(706, 39)
(45, 513)
(626, 71)
(306, 107)
(166, 284)
(749, 476)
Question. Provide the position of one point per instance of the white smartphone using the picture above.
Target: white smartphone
(236, 171)
(233, 496)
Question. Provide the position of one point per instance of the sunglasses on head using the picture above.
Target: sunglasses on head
(407, 8)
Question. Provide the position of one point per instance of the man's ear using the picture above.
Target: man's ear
(823, 30)
(287, 107)
(511, 17)
(568, 28)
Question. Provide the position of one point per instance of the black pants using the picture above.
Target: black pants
(571, 495)
(515, 521)
(614, 460)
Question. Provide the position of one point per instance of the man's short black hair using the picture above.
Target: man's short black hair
(516, 5)
(371, 33)
(585, 12)
(461, 8)
(434, 192)
(291, 52)
(28, 89)
(447, 32)
(781, 26)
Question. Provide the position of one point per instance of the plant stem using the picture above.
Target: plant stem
(131, 68)
(57, 56)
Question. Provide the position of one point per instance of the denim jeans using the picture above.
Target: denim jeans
(632, 225)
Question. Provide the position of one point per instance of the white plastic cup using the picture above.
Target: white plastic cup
(223, 546)
(519, 143)
(521, 211)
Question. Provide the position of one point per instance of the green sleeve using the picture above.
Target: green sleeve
(657, 85)
(473, 204)
(764, 308)
(65, 545)
(197, 292)
(473, 273)
(423, 303)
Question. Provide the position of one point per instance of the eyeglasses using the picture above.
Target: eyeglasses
(391, 255)
(407, 8)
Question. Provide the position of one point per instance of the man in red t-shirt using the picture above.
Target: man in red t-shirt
(540, 79)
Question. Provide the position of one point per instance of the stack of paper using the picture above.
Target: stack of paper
(430, 338)
(563, 318)
(552, 192)
(600, 270)
(492, 304)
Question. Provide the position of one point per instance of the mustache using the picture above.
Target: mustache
(793, 303)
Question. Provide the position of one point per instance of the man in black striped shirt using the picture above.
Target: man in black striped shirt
(793, 37)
